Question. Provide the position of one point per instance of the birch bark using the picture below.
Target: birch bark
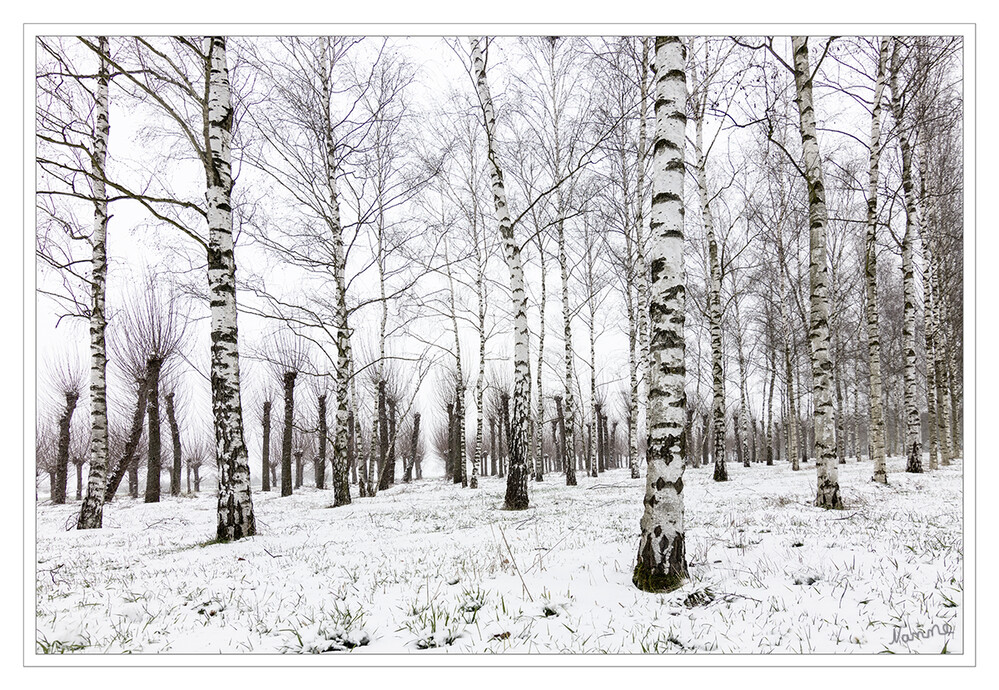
(827, 494)
(235, 505)
(92, 509)
(876, 427)
(714, 310)
(339, 465)
(661, 563)
(516, 485)
(928, 311)
(913, 445)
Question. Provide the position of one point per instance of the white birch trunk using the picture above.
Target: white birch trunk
(569, 458)
(714, 311)
(92, 510)
(235, 504)
(661, 563)
(928, 311)
(827, 494)
(876, 427)
(539, 427)
(339, 464)
(912, 445)
(641, 269)
(516, 485)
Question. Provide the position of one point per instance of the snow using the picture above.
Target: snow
(424, 568)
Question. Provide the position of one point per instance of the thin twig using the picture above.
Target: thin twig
(514, 561)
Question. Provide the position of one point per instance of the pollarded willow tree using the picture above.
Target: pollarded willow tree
(662, 563)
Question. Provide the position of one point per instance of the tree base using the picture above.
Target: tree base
(653, 580)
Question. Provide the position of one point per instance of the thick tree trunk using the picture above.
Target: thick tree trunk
(235, 504)
(92, 509)
(320, 461)
(154, 464)
(62, 458)
(265, 462)
(516, 485)
(662, 564)
(175, 439)
(383, 437)
(598, 465)
(197, 478)
(827, 493)
(79, 480)
(287, 486)
(415, 449)
(299, 467)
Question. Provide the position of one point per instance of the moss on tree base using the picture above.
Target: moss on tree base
(653, 580)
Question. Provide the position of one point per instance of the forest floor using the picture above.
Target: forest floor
(430, 567)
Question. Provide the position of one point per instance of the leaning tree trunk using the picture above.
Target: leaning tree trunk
(827, 493)
(913, 442)
(287, 487)
(876, 426)
(92, 509)
(128, 458)
(235, 504)
(62, 458)
(516, 484)
(175, 439)
(265, 463)
(662, 564)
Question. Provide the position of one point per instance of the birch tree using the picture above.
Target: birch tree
(827, 495)
(913, 443)
(662, 564)
(516, 486)
(876, 426)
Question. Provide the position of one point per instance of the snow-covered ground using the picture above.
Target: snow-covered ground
(426, 568)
